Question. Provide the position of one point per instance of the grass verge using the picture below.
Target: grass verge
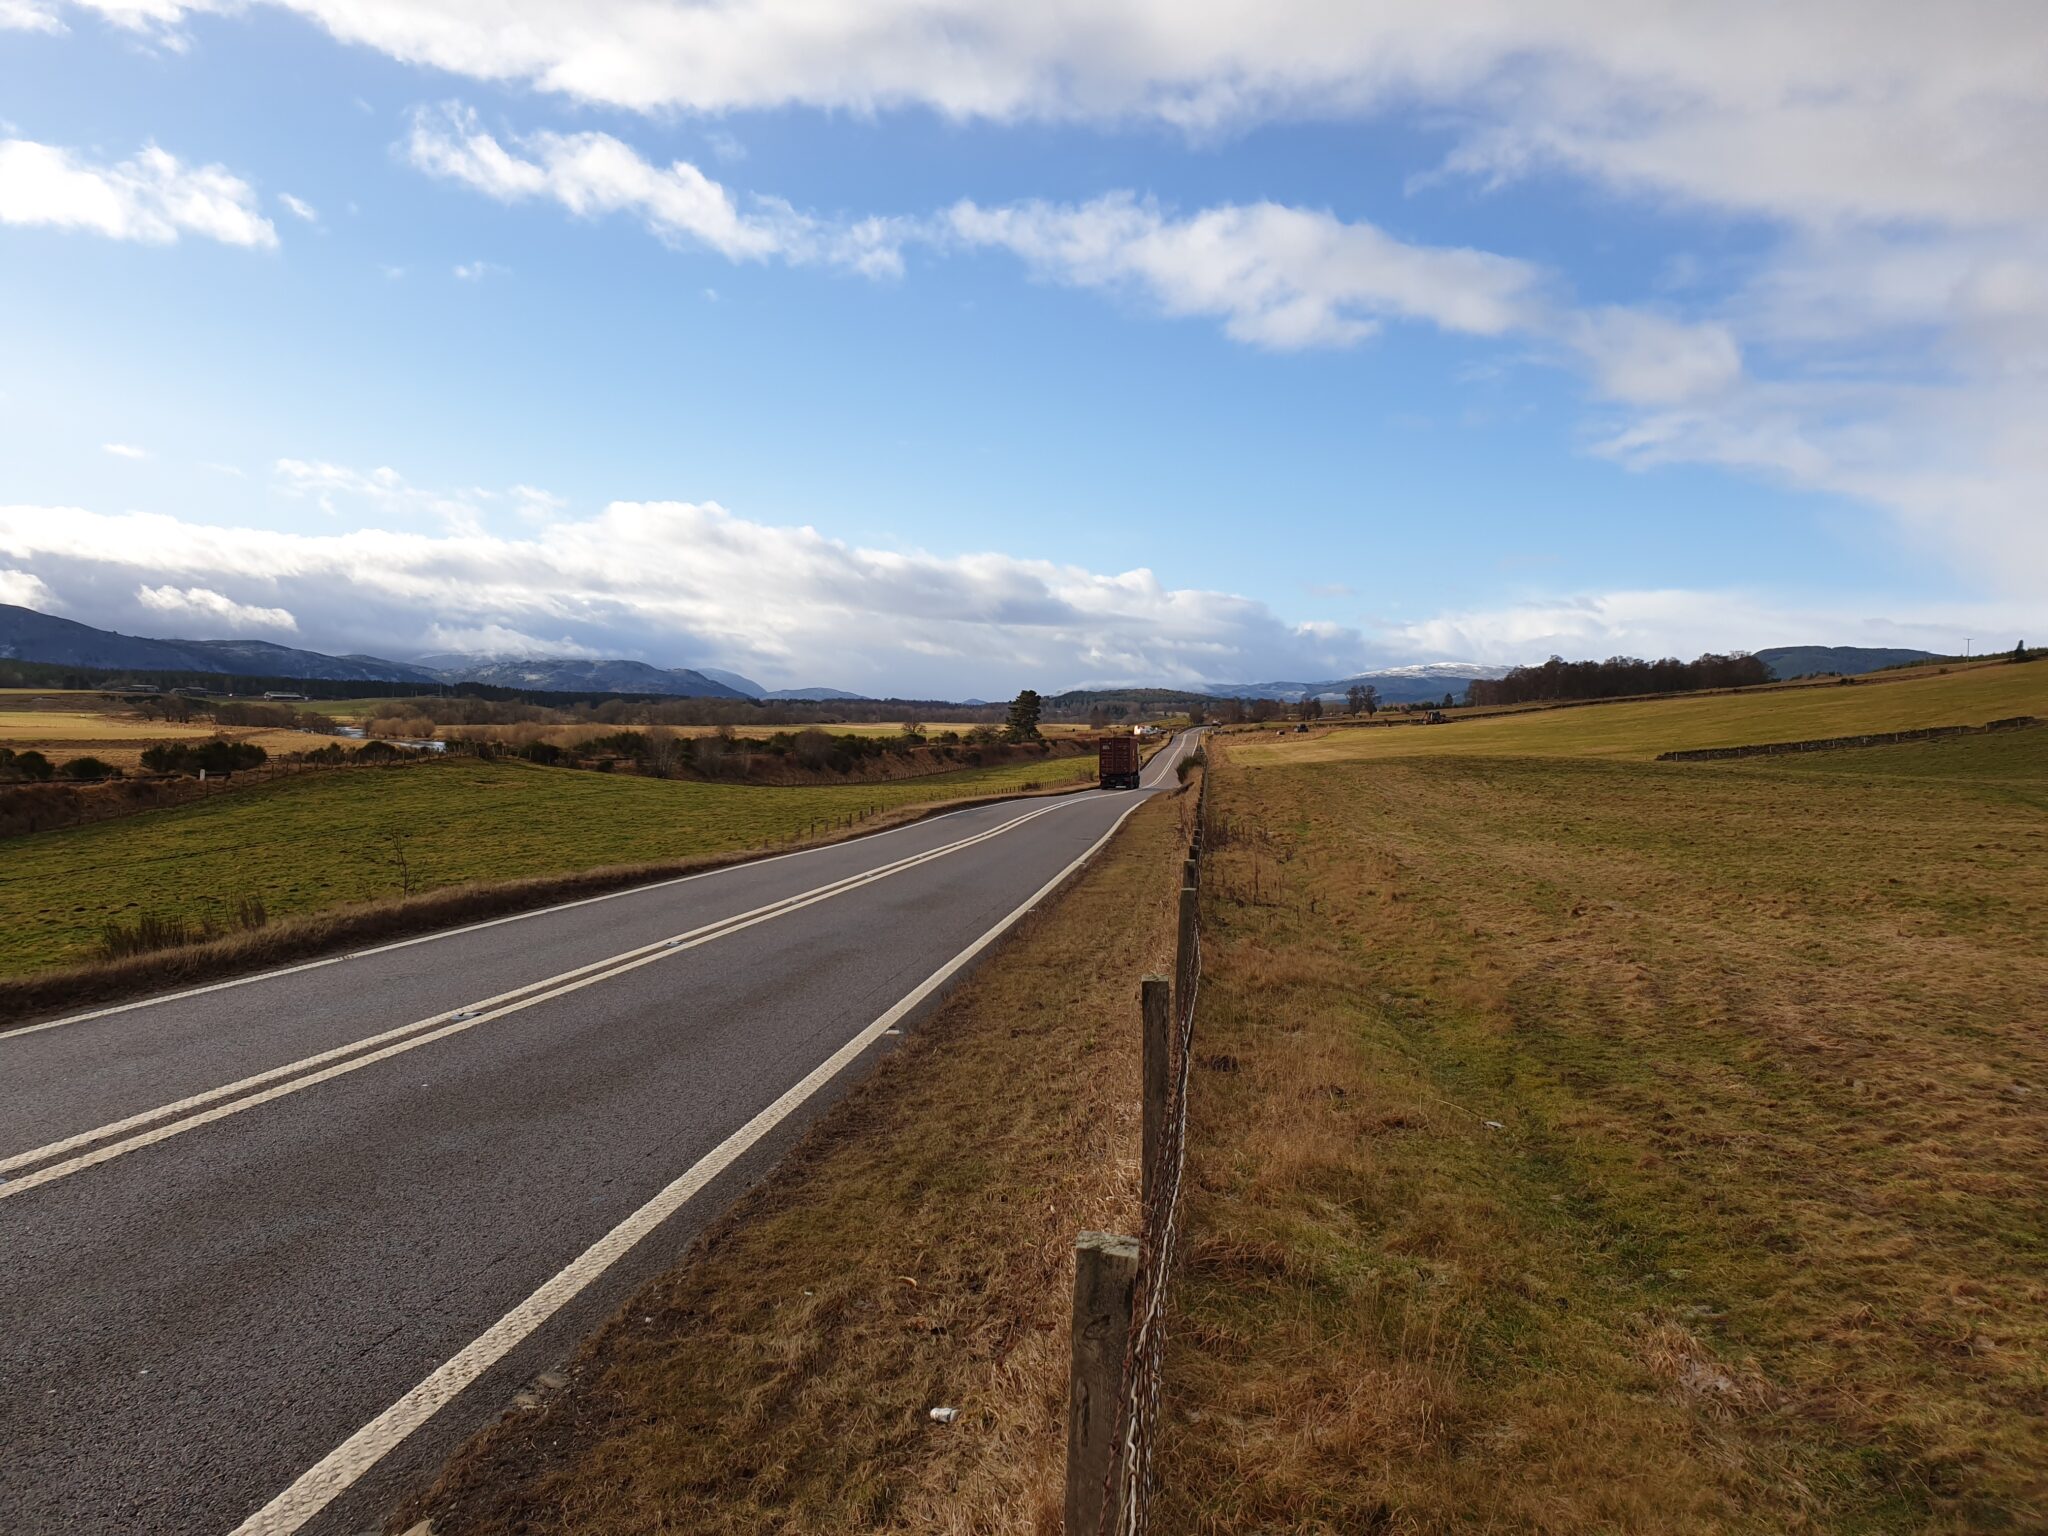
(913, 1251)
(1596, 1145)
(302, 846)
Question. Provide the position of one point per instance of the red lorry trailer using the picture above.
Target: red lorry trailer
(1117, 759)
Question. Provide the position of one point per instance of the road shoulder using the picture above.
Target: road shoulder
(909, 1254)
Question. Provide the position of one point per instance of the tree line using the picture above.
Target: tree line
(1616, 677)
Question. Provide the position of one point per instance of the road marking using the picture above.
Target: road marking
(477, 927)
(344, 1059)
(333, 1475)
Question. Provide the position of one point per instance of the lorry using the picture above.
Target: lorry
(1118, 762)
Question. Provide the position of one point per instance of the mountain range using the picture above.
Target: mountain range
(26, 635)
(1396, 685)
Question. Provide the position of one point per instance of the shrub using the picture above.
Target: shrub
(30, 765)
(813, 748)
(89, 768)
(378, 752)
(216, 756)
(1190, 763)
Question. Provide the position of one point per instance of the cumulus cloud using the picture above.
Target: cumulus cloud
(593, 174)
(683, 584)
(477, 271)
(299, 208)
(29, 16)
(25, 589)
(1277, 276)
(152, 197)
(1286, 278)
(1868, 109)
(211, 609)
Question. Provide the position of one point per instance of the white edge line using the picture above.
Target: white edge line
(337, 1471)
(455, 1021)
(493, 922)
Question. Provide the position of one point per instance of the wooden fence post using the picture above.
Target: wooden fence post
(1105, 1274)
(1184, 953)
(1158, 1051)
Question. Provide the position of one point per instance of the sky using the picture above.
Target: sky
(944, 347)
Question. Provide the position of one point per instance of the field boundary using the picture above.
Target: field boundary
(1844, 743)
(27, 1000)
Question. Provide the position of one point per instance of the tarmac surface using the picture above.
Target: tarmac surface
(270, 1250)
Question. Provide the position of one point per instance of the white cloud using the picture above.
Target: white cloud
(498, 640)
(592, 174)
(124, 451)
(1276, 276)
(299, 207)
(25, 589)
(1287, 278)
(681, 583)
(152, 197)
(382, 491)
(536, 505)
(477, 271)
(29, 16)
(209, 607)
(1832, 109)
(1685, 623)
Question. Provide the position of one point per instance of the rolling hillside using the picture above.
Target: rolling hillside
(26, 635)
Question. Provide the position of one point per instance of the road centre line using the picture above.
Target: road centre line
(477, 927)
(440, 1026)
(339, 1470)
(1180, 743)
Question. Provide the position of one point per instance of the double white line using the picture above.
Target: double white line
(336, 1472)
(60, 1159)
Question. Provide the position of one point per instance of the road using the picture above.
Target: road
(273, 1248)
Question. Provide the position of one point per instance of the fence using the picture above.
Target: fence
(1840, 743)
(1120, 1287)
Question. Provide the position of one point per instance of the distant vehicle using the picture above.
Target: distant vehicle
(1302, 729)
(1117, 762)
(285, 698)
(1436, 717)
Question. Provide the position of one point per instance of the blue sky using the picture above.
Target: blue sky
(950, 351)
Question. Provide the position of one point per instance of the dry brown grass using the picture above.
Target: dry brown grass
(1604, 1146)
(914, 1251)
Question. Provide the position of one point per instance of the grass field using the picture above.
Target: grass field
(302, 844)
(581, 735)
(1965, 696)
(913, 1252)
(118, 738)
(1590, 1144)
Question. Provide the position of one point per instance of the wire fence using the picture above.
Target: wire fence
(1126, 1506)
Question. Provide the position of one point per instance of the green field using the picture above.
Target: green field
(1586, 1143)
(1965, 696)
(306, 843)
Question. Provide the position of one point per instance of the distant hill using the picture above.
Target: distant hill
(746, 685)
(26, 635)
(571, 674)
(813, 694)
(1849, 660)
(1421, 684)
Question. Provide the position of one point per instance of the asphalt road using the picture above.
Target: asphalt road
(270, 1250)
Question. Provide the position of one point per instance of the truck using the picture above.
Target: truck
(1118, 762)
